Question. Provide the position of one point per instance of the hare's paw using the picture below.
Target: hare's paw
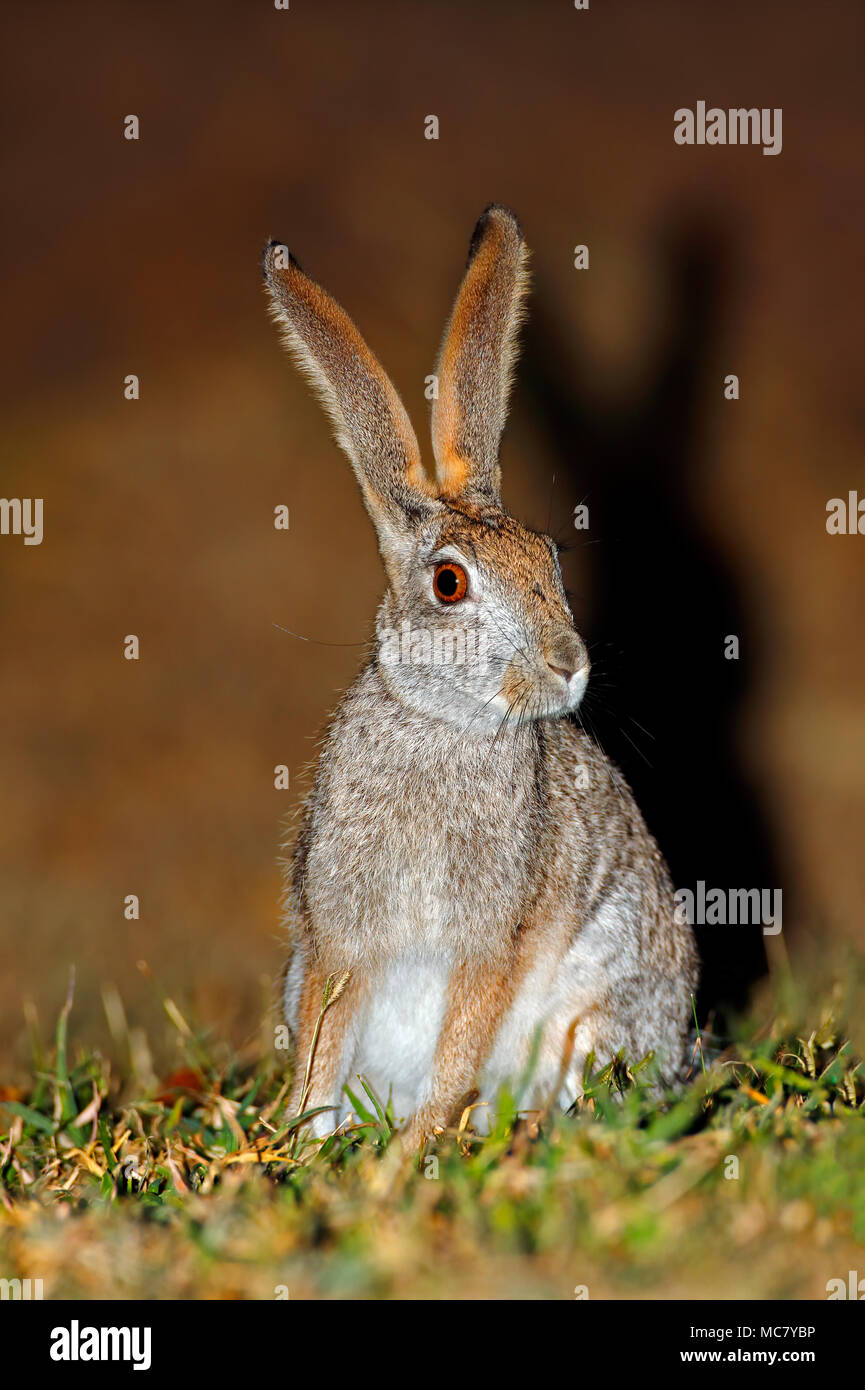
(417, 1134)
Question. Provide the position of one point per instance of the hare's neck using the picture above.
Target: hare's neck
(382, 758)
(419, 838)
(513, 750)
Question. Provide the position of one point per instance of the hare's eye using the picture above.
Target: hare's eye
(450, 582)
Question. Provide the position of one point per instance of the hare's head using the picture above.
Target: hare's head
(475, 626)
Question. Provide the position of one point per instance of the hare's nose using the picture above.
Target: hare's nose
(567, 657)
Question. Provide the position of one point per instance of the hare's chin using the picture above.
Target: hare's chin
(571, 695)
(547, 705)
(577, 689)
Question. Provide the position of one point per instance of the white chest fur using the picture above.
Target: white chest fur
(398, 1029)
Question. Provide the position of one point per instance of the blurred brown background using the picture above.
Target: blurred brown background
(707, 517)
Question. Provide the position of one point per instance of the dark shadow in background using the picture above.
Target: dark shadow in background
(663, 701)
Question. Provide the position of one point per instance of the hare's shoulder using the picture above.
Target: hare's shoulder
(580, 774)
(595, 823)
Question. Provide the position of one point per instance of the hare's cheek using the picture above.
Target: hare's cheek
(516, 687)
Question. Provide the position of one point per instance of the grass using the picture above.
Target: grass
(748, 1184)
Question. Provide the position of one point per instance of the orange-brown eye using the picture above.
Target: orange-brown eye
(450, 582)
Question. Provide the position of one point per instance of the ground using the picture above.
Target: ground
(745, 1185)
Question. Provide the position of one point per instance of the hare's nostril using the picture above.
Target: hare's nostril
(566, 656)
(564, 671)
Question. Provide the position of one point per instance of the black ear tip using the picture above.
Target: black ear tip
(506, 212)
(483, 221)
(268, 258)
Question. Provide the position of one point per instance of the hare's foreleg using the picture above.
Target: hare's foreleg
(478, 1001)
(323, 1040)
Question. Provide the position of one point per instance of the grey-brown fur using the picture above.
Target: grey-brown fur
(467, 853)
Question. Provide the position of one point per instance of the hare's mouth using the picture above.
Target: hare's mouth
(575, 683)
(541, 694)
(539, 703)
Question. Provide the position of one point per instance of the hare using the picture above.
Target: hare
(470, 867)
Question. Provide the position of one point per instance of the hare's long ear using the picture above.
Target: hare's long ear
(369, 418)
(477, 359)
